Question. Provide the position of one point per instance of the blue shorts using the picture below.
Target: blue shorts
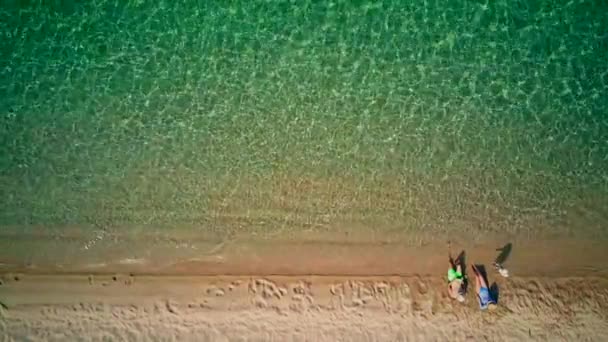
(485, 298)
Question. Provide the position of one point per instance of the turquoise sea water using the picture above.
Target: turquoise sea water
(170, 112)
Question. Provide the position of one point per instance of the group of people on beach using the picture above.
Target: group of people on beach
(458, 281)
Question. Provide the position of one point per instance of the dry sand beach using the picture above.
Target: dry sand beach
(154, 289)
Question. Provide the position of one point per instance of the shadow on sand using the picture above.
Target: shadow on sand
(504, 254)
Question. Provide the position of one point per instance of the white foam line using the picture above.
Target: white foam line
(131, 261)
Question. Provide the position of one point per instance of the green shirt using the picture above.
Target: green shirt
(453, 275)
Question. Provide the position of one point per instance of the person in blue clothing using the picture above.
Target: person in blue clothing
(486, 300)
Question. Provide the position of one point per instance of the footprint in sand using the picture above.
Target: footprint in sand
(423, 300)
(215, 291)
(337, 296)
(260, 302)
(361, 294)
(234, 284)
(267, 289)
(383, 292)
(404, 302)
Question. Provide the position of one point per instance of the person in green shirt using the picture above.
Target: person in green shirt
(456, 279)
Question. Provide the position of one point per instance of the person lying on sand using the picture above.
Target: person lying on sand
(456, 287)
(486, 301)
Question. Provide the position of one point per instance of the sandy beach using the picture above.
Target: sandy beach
(276, 290)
